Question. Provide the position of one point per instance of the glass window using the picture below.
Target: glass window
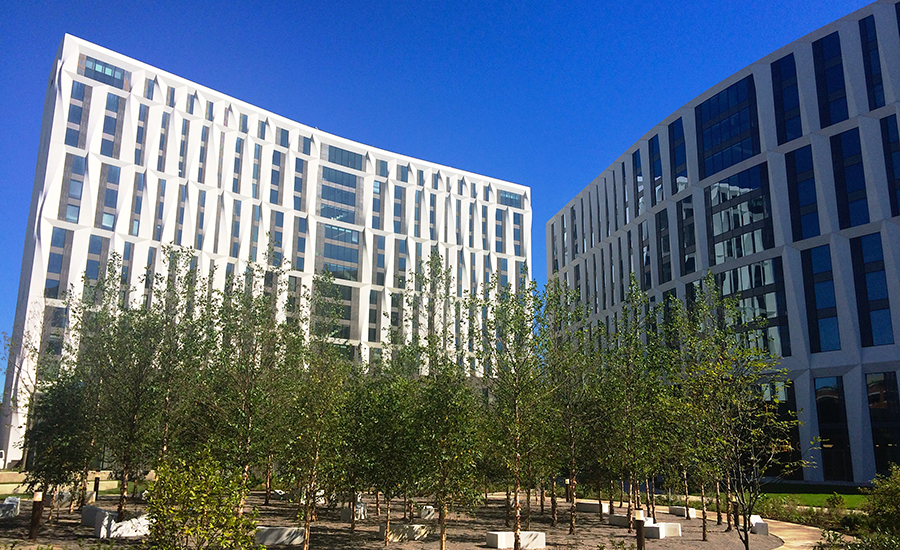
(72, 213)
(95, 244)
(78, 90)
(829, 335)
(104, 72)
(336, 176)
(54, 263)
(884, 414)
(344, 157)
(871, 62)
(727, 128)
(871, 290)
(849, 179)
(58, 237)
(830, 87)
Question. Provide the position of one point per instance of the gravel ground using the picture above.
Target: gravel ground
(465, 530)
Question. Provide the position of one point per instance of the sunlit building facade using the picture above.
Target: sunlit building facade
(133, 158)
(784, 181)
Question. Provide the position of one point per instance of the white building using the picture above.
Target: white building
(784, 180)
(133, 158)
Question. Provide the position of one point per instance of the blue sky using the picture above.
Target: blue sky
(546, 94)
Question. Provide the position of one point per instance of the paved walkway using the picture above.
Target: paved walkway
(795, 537)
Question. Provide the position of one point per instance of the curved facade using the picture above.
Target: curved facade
(784, 180)
(133, 158)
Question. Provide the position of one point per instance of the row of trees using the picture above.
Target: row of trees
(253, 383)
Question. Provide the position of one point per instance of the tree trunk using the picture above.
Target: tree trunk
(542, 497)
(406, 507)
(377, 504)
(636, 491)
(310, 508)
(687, 505)
(528, 508)
(653, 499)
(553, 504)
(630, 501)
(269, 467)
(52, 503)
(600, 495)
(621, 491)
(508, 506)
(612, 491)
(123, 493)
(718, 503)
(517, 530)
(703, 506)
(647, 494)
(387, 523)
(353, 500)
(572, 511)
(82, 489)
(442, 519)
(728, 502)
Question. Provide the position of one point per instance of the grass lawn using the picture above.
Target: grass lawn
(816, 495)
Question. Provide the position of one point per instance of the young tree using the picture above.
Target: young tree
(629, 385)
(446, 413)
(118, 358)
(448, 425)
(244, 375)
(727, 371)
(515, 374)
(564, 339)
(192, 506)
(60, 437)
(314, 421)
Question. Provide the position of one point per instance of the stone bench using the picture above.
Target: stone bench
(619, 520)
(662, 530)
(361, 512)
(417, 531)
(106, 527)
(758, 526)
(592, 507)
(279, 536)
(506, 539)
(10, 508)
(427, 512)
(89, 515)
(398, 533)
(681, 512)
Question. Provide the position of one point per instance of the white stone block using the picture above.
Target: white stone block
(592, 507)
(427, 512)
(103, 522)
(106, 527)
(89, 515)
(360, 512)
(398, 533)
(417, 532)
(754, 519)
(280, 536)
(137, 527)
(10, 508)
(680, 512)
(662, 530)
(500, 539)
(760, 528)
(506, 539)
(618, 520)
